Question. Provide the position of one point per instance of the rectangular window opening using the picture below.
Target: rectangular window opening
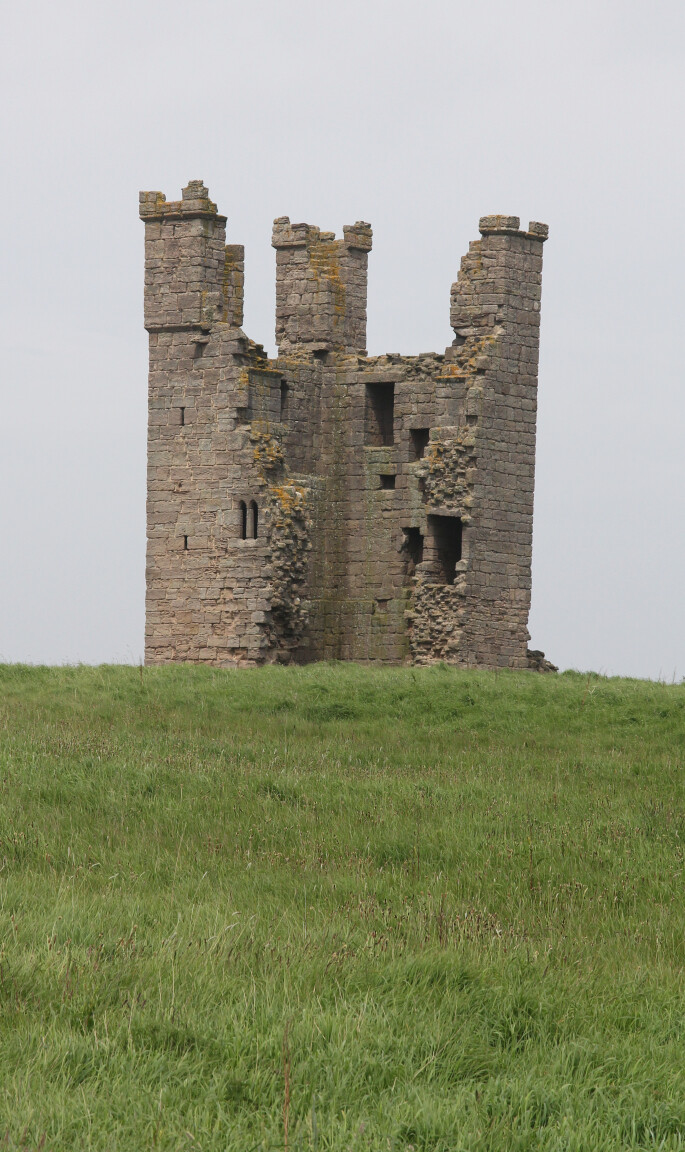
(379, 415)
(387, 482)
(419, 441)
(412, 547)
(446, 539)
(183, 416)
(185, 543)
(199, 349)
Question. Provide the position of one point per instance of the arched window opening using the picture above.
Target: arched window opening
(254, 516)
(243, 520)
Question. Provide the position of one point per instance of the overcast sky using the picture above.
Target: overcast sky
(419, 116)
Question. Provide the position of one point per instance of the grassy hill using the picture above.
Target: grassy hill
(340, 908)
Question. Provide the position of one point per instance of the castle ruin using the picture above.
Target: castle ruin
(327, 504)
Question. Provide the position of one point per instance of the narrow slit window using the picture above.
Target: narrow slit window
(243, 520)
(183, 416)
(419, 442)
(284, 401)
(379, 415)
(185, 543)
(446, 540)
(254, 517)
(387, 482)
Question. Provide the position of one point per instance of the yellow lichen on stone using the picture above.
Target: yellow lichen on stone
(268, 453)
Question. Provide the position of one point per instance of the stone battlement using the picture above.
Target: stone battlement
(194, 202)
(326, 504)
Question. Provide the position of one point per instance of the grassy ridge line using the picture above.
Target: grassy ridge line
(462, 892)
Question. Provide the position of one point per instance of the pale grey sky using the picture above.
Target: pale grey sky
(417, 116)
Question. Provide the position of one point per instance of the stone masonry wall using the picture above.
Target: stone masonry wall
(325, 504)
(214, 455)
(495, 311)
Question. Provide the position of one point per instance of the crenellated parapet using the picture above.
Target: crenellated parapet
(505, 262)
(194, 203)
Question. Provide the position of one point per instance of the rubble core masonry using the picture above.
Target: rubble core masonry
(327, 504)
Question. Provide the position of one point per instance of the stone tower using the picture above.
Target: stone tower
(326, 504)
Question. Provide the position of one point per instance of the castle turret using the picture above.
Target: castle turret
(191, 278)
(495, 314)
(321, 287)
(197, 382)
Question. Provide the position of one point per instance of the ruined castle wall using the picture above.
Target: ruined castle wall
(214, 456)
(393, 495)
(369, 495)
(206, 590)
(300, 382)
(496, 311)
(367, 504)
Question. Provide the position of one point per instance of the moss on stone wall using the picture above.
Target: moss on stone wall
(268, 452)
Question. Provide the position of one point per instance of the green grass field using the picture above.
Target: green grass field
(340, 908)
